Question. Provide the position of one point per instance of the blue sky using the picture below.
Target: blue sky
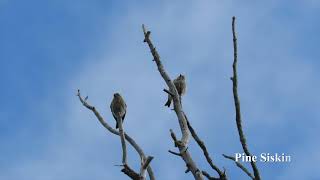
(49, 49)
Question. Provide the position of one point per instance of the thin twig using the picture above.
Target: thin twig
(237, 103)
(239, 165)
(170, 93)
(174, 153)
(207, 175)
(204, 149)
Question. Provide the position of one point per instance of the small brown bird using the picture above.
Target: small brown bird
(180, 83)
(118, 107)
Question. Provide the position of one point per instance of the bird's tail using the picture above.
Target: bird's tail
(168, 102)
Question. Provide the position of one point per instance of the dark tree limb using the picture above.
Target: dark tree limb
(170, 93)
(244, 169)
(237, 103)
(207, 175)
(174, 153)
(126, 169)
(130, 172)
(201, 144)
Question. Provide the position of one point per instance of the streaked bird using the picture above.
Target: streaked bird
(180, 83)
(118, 108)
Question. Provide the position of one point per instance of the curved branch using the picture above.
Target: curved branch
(144, 165)
(245, 170)
(237, 102)
(207, 175)
(113, 131)
(201, 144)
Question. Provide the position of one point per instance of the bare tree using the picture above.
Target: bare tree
(186, 128)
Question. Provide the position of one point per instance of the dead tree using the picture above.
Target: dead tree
(186, 128)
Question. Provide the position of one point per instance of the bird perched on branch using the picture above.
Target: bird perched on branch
(180, 84)
(118, 108)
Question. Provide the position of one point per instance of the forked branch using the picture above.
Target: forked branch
(244, 169)
(176, 100)
(222, 175)
(183, 143)
(126, 169)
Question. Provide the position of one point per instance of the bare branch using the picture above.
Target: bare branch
(114, 131)
(201, 144)
(174, 153)
(144, 166)
(239, 165)
(237, 103)
(147, 162)
(170, 93)
(176, 100)
(183, 143)
(207, 175)
(123, 141)
(185, 155)
(130, 172)
(173, 136)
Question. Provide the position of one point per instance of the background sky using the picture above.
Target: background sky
(49, 49)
